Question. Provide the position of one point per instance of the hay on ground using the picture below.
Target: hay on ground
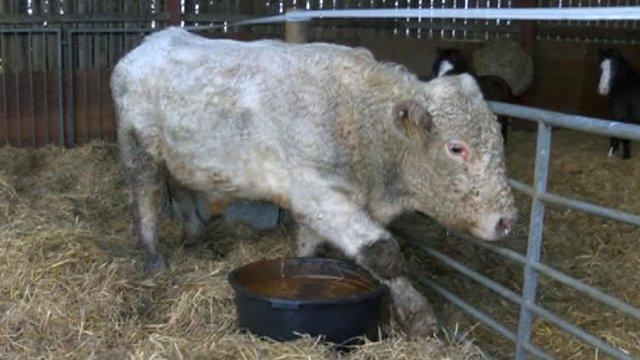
(71, 281)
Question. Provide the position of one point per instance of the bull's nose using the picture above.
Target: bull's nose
(504, 226)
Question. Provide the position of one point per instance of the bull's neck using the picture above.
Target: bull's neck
(376, 151)
(376, 161)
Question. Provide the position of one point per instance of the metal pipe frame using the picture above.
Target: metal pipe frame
(513, 297)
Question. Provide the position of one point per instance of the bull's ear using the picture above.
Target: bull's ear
(412, 120)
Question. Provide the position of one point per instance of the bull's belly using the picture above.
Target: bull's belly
(254, 175)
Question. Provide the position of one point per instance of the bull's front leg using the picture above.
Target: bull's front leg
(347, 227)
(308, 241)
(383, 259)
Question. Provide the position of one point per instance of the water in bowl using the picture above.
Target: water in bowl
(307, 288)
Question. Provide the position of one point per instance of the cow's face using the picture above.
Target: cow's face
(452, 161)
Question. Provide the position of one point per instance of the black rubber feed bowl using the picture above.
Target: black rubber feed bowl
(283, 298)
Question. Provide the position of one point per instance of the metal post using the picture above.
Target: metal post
(527, 28)
(296, 31)
(536, 226)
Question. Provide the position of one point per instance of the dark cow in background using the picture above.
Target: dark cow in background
(620, 83)
(344, 142)
(451, 62)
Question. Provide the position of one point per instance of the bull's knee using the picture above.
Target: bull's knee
(383, 258)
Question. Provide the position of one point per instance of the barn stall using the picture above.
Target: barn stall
(71, 286)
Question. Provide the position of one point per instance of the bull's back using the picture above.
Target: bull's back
(216, 108)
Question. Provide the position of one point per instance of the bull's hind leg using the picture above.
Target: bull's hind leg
(184, 203)
(148, 189)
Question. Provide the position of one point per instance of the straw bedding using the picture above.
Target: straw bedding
(71, 282)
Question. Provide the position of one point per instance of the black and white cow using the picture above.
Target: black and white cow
(620, 82)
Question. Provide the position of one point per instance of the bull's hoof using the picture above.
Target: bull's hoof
(417, 319)
(423, 325)
(414, 313)
(155, 266)
(191, 242)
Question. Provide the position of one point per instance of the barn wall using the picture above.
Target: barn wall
(566, 73)
(565, 80)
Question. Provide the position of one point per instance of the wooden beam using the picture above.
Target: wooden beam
(175, 15)
(296, 31)
(527, 28)
(75, 18)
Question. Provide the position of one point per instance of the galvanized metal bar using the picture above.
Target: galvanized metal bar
(16, 76)
(492, 285)
(31, 92)
(487, 320)
(577, 332)
(45, 93)
(575, 122)
(558, 276)
(59, 81)
(5, 111)
(590, 208)
(512, 296)
(536, 227)
(70, 120)
(531, 13)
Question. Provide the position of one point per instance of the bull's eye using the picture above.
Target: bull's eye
(457, 149)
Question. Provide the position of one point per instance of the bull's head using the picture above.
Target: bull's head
(452, 165)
